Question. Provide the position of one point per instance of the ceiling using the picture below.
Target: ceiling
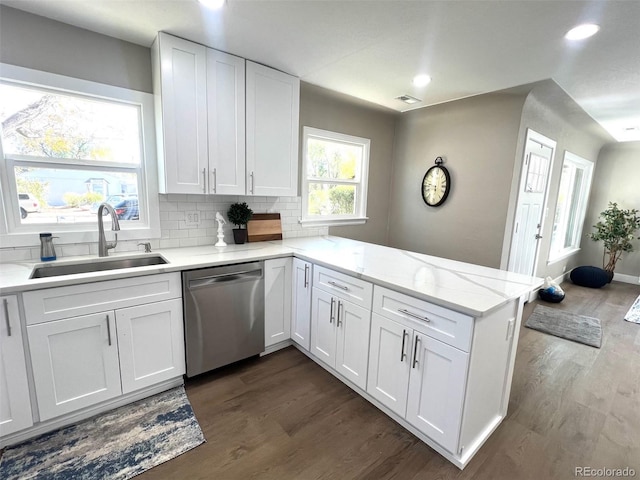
(373, 49)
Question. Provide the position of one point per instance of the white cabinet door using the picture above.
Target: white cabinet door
(15, 404)
(352, 351)
(436, 390)
(226, 114)
(389, 363)
(323, 327)
(301, 308)
(180, 89)
(151, 344)
(277, 300)
(75, 363)
(273, 110)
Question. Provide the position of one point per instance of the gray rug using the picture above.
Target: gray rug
(118, 444)
(567, 325)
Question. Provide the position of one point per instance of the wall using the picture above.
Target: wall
(327, 110)
(551, 112)
(36, 42)
(618, 180)
(477, 137)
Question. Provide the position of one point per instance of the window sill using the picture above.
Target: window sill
(334, 222)
(564, 255)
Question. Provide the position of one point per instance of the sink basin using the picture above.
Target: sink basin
(96, 265)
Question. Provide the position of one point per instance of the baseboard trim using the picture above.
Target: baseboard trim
(624, 278)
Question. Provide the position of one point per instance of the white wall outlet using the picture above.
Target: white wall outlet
(192, 218)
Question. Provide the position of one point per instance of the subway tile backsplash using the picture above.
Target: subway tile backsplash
(176, 231)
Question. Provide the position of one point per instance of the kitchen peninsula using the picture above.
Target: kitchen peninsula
(429, 341)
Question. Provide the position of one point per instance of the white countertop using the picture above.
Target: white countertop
(464, 287)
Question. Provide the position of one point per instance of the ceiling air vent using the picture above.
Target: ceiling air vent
(408, 99)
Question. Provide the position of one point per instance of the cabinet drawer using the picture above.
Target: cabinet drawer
(453, 328)
(349, 288)
(75, 300)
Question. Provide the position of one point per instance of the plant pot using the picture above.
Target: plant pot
(239, 236)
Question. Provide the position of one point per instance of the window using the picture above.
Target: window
(573, 194)
(70, 145)
(334, 185)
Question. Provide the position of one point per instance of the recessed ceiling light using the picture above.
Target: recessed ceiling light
(213, 4)
(582, 31)
(421, 80)
(408, 99)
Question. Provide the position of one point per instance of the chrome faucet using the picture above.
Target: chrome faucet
(103, 245)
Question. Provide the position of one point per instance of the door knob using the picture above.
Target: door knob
(538, 236)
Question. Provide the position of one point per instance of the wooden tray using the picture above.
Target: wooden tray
(264, 226)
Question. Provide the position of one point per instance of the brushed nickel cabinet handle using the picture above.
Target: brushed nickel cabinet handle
(251, 183)
(339, 306)
(414, 315)
(5, 305)
(109, 330)
(415, 352)
(331, 313)
(404, 338)
(204, 180)
(337, 285)
(214, 175)
(306, 275)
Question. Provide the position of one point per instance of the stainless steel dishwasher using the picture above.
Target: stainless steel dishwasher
(223, 315)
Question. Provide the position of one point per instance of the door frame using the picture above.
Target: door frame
(518, 184)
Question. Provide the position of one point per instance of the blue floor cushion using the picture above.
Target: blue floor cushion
(592, 277)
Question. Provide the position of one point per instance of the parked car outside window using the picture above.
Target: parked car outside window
(28, 204)
(127, 209)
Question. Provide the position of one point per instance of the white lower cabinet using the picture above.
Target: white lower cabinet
(340, 335)
(75, 363)
(419, 378)
(83, 360)
(15, 404)
(151, 344)
(277, 300)
(301, 303)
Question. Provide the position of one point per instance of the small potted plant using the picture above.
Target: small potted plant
(616, 229)
(239, 214)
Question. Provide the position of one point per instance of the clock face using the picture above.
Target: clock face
(435, 186)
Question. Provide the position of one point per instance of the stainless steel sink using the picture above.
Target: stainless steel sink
(96, 265)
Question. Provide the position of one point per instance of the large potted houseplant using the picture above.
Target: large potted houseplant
(616, 229)
(239, 214)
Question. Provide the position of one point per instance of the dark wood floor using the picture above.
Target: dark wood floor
(283, 417)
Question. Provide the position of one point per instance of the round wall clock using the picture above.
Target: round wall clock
(436, 184)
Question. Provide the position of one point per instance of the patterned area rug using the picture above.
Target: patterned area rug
(118, 444)
(571, 326)
(633, 315)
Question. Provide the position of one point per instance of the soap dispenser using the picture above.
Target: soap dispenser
(47, 251)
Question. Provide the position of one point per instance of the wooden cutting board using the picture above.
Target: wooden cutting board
(264, 226)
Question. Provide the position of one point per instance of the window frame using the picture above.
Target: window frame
(360, 200)
(587, 166)
(12, 232)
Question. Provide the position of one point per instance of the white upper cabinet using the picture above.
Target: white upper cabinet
(273, 109)
(224, 125)
(180, 89)
(226, 114)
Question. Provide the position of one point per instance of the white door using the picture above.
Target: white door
(352, 350)
(389, 363)
(532, 197)
(151, 344)
(273, 110)
(15, 404)
(183, 96)
(226, 114)
(75, 363)
(301, 307)
(277, 300)
(323, 327)
(436, 390)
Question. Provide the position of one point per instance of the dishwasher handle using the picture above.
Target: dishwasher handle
(225, 277)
